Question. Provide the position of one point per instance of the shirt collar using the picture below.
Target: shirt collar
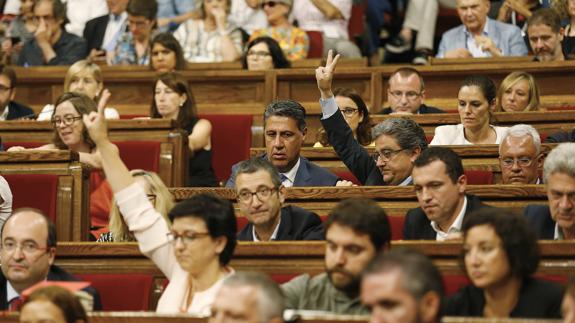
(11, 293)
(455, 226)
(558, 235)
(118, 18)
(485, 32)
(291, 174)
(274, 234)
(406, 181)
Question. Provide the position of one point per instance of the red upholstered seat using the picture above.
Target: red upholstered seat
(348, 176)
(356, 25)
(122, 292)
(24, 144)
(479, 177)
(231, 141)
(396, 224)
(140, 154)
(315, 44)
(39, 191)
(452, 283)
(241, 222)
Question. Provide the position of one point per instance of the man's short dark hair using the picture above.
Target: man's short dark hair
(547, 17)
(407, 133)
(58, 9)
(419, 275)
(52, 240)
(363, 216)
(452, 162)
(10, 74)
(287, 108)
(217, 214)
(146, 8)
(406, 72)
(255, 164)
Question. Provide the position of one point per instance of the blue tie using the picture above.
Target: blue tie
(283, 178)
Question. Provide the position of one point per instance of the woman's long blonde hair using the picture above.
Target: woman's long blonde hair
(511, 80)
(163, 204)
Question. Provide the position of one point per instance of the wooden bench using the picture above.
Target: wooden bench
(71, 191)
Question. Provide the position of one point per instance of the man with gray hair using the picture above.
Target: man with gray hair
(398, 142)
(520, 155)
(556, 220)
(248, 297)
(284, 131)
(402, 285)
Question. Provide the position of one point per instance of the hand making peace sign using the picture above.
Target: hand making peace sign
(324, 75)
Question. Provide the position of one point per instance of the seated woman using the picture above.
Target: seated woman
(264, 53)
(356, 115)
(566, 10)
(518, 92)
(194, 254)
(21, 30)
(158, 195)
(53, 304)
(83, 77)
(292, 40)
(167, 54)
(212, 38)
(173, 100)
(476, 104)
(500, 255)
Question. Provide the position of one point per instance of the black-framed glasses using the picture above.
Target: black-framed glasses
(521, 161)
(187, 237)
(66, 120)
(348, 112)
(263, 193)
(258, 54)
(386, 154)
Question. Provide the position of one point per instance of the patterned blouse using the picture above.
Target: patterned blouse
(293, 41)
(125, 52)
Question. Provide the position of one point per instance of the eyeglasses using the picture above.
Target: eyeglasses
(5, 88)
(522, 162)
(386, 154)
(258, 54)
(66, 121)
(36, 19)
(263, 193)
(348, 112)
(271, 4)
(186, 238)
(27, 247)
(410, 95)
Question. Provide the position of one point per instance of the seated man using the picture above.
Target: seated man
(10, 110)
(398, 142)
(284, 132)
(27, 255)
(520, 155)
(268, 218)
(52, 44)
(439, 184)
(545, 35)
(562, 136)
(102, 33)
(248, 297)
(480, 36)
(356, 230)
(402, 285)
(406, 92)
(556, 220)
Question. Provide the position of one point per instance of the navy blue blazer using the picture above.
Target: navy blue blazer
(95, 31)
(561, 137)
(19, 111)
(539, 216)
(296, 224)
(308, 174)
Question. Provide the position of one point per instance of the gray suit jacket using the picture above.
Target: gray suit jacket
(507, 37)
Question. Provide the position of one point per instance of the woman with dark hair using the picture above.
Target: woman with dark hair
(264, 53)
(476, 104)
(167, 54)
(356, 115)
(194, 254)
(53, 304)
(173, 99)
(500, 255)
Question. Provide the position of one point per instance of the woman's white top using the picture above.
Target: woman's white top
(48, 110)
(454, 135)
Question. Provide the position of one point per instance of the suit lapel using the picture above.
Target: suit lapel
(302, 177)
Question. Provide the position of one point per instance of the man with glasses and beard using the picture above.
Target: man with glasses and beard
(356, 230)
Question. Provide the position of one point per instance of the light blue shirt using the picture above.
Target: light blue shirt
(472, 47)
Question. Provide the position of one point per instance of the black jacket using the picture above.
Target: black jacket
(19, 111)
(539, 216)
(561, 137)
(423, 109)
(95, 31)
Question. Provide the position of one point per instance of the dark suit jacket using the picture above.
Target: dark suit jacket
(418, 227)
(308, 174)
(561, 137)
(296, 224)
(423, 109)
(55, 274)
(540, 219)
(94, 32)
(19, 111)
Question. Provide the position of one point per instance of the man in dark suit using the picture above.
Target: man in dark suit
(284, 131)
(27, 255)
(557, 219)
(10, 110)
(101, 33)
(398, 141)
(439, 184)
(406, 93)
(261, 196)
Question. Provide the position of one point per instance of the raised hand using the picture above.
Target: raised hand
(95, 122)
(324, 75)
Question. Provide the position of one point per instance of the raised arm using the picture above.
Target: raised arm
(324, 76)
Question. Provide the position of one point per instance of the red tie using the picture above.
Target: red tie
(16, 304)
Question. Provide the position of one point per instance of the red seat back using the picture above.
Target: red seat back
(452, 283)
(315, 44)
(355, 26)
(348, 176)
(396, 224)
(38, 191)
(140, 154)
(122, 292)
(25, 144)
(479, 177)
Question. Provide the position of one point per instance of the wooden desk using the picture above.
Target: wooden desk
(72, 210)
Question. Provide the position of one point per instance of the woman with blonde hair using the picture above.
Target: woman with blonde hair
(518, 92)
(83, 77)
(158, 195)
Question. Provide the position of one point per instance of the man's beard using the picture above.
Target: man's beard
(351, 287)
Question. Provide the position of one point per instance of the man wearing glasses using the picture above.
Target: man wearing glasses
(261, 196)
(27, 253)
(52, 44)
(406, 92)
(10, 110)
(398, 142)
(520, 155)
